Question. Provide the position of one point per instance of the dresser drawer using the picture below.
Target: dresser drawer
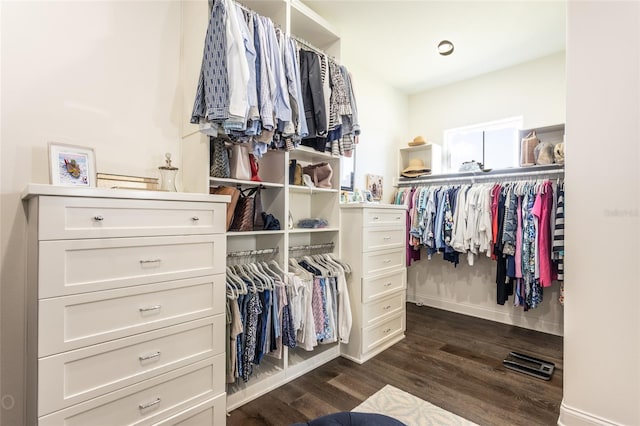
(71, 322)
(78, 217)
(385, 217)
(374, 288)
(376, 335)
(147, 401)
(379, 262)
(376, 311)
(208, 413)
(76, 376)
(78, 266)
(383, 238)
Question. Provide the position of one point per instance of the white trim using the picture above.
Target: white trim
(570, 416)
(489, 314)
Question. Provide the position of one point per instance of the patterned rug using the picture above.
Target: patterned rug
(409, 409)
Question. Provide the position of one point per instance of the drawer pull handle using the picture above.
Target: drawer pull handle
(386, 308)
(142, 262)
(386, 238)
(386, 330)
(98, 218)
(195, 218)
(150, 308)
(148, 357)
(387, 261)
(387, 284)
(376, 218)
(397, 217)
(149, 404)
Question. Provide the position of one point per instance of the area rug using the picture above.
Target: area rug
(409, 409)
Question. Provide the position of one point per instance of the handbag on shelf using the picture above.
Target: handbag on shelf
(320, 174)
(219, 165)
(253, 163)
(244, 214)
(240, 167)
(258, 219)
(231, 206)
(527, 148)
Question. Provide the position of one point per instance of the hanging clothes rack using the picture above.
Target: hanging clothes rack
(313, 247)
(311, 46)
(473, 177)
(254, 253)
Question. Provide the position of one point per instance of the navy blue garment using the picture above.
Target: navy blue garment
(346, 418)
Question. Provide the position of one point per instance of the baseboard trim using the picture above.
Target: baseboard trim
(479, 312)
(570, 416)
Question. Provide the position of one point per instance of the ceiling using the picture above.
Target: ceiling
(402, 36)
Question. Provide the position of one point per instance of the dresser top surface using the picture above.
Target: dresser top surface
(373, 206)
(34, 190)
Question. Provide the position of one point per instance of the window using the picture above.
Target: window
(494, 144)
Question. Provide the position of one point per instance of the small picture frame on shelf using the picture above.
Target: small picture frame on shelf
(72, 165)
(374, 185)
(367, 196)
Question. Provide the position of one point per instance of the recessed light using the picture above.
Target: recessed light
(445, 47)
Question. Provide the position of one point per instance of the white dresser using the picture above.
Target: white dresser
(373, 243)
(126, 307)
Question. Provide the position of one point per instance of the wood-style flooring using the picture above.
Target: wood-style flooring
(453, 361)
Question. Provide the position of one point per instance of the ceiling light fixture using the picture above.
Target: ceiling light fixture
(445, 48)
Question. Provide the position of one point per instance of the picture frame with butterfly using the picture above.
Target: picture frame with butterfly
(72, 165)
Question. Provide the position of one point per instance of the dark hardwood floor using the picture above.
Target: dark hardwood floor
(451, 360)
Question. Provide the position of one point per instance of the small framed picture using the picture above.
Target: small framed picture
(367, 196)
(374, 185)
(71, 165)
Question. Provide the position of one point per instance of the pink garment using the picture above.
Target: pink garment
(518, 254)
(542, 210)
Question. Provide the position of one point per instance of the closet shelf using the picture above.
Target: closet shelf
(233, 182)
(552, 170)
(244, 233)
(307, 190)
(308, 230)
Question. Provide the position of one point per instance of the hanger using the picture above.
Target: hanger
(235, 280)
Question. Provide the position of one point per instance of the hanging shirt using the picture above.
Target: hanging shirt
(211, 104)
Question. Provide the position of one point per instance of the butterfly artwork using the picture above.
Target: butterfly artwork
(71, 165)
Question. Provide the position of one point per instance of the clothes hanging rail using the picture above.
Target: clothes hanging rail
(258, 252)
(311, 46)
(310, 247)
(473, 177)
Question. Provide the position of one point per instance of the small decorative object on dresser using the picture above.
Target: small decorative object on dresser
(72, 165)
(168, 175)
(374, 185)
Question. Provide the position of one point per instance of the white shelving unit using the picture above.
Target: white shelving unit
(430, 154)
(278, 197)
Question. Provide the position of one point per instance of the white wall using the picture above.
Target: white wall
(382, 113)
(534, 90)
(602, 320)
(99, 74)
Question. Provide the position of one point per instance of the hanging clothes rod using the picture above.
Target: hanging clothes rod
(259, 252)
(311, 46)
(312, 247)
(547, 171)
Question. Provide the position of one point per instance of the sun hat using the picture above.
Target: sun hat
(418, 140)
(415, 168)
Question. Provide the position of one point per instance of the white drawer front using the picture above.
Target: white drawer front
(147, 401)
(376, 311)
(71, 322)
(78, 217)
(208, 413)
(77, 266)
(376, 335)
(72, 377)
(379, 262)
(383, 238)
(381, 217)
(383, 285)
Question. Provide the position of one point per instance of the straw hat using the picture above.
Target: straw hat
(415, 168)
(418, 140)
